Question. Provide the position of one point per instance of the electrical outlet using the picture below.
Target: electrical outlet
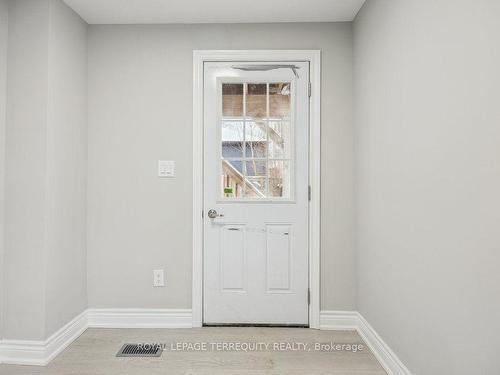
(158, 278)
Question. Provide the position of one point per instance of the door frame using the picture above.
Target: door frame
(314, 59)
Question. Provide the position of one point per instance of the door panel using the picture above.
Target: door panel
(233, 257)
(279, 257)
(256, 182)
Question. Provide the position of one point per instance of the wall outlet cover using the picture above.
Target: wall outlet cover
(166, 168)
(158, 278)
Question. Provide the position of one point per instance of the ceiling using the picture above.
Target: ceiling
(214, 11)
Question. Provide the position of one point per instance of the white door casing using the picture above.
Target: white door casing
(256, 176)
(266, 56)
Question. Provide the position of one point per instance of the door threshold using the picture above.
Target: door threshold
(257, 325)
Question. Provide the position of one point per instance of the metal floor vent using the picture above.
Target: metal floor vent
(140, 350)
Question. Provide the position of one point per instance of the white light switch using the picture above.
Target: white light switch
(166, 168)
(158, 278)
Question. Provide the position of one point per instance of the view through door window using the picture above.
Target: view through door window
(256, 141)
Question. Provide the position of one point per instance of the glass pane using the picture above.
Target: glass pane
(236, 166)
(232, 99)
(256, 168)
(256, 187)
(276, 188)
(256, 149)
(279, 139)
(232, 139)
(232, 179)
(256, 100)
(255, 131)
(279, 178)
(279, 100)
(255, 136)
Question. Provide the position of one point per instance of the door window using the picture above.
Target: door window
(256, 141)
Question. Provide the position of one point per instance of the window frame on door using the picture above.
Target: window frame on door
(291, 158)
(314, 59)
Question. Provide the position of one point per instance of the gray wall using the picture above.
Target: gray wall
(45, 186)
(428, 180)
(140, 111)
(66, 258)
(4, 22)
(26, 130)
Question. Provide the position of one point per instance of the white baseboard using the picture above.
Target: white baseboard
(338, 320)
(40, 353)
(26, 352)
(389, 360)
(352, 320)
(140, 318)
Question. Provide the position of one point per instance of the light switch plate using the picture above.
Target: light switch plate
(166, 168)
(158, 278)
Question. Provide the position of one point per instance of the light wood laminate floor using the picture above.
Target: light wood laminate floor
(93, 353)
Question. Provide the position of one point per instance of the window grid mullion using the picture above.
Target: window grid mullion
(244, 166)
(267, 180)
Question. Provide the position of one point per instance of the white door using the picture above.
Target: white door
(256, 137)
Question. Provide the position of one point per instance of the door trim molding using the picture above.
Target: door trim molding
(314, 58)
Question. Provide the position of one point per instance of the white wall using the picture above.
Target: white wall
(140, 111)
(428, 180)
(45, 182)
(4, 23)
